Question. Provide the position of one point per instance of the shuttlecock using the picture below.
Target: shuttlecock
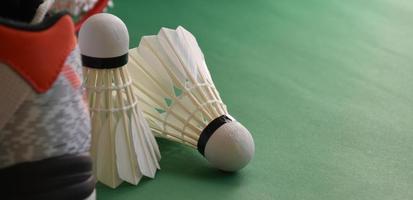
(180, 101)
(123, 147)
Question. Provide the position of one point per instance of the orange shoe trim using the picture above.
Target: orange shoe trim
(38, 56)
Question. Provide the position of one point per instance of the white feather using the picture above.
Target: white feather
(147, 166)
(126, 156)
(105, 160)
(124, 148)
(174, 85)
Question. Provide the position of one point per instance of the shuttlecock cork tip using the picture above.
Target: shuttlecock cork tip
(229, 146)
(104, 41)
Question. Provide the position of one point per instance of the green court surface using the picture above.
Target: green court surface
(325, 87)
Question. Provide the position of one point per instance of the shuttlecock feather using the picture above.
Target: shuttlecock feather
(180, 101)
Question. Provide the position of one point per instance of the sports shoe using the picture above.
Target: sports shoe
(44, 121)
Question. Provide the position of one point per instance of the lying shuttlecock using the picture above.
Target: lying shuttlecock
(180, 101)
(123, 146)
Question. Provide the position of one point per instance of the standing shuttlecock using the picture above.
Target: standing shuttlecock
(123, 147)
(181, 102)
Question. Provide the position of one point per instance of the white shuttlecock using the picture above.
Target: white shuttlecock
(123, 147)
(180, 101)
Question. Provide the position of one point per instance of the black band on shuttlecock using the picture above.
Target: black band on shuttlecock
(209, 130)
(105, 63)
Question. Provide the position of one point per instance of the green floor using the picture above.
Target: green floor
(325, 87)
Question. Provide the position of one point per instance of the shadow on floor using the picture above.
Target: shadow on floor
(183, 161)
